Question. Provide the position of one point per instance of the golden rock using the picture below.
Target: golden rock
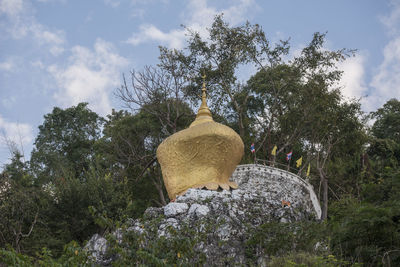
(203, 155)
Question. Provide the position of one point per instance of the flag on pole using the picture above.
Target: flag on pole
(308, 170)
(289, 156)
(252, 149)
(273, 152)
(299, 162)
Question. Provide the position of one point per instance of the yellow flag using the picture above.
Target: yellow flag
(299, 161)
(273, 152)
(308, 170)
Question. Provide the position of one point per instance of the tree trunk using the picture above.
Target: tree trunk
(159, 185)
(162, 197)
(241, 127)
(324, 182)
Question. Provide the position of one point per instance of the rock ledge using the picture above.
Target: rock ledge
(265, 194)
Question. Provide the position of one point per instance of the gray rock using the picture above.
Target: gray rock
(163, 228)
(198, 210)
(97, 249)
(227, 218)
(137, 227)
(173, 209)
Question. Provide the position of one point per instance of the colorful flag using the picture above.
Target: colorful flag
(289, 156)
(252, 149)
(299, 162)
(273, 152)
(308, 170)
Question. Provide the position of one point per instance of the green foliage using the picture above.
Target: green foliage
(19, 209)
(367, 229)
(308, 260)
(18, 170)
(81, 180)
(83, 207)
(128, 150)
(366, 232)
(278, 239)
(64, 145)
(11, 258)
(178, 247)
(387, 124)
(73, 256)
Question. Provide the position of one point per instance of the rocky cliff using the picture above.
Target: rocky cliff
(219, 227)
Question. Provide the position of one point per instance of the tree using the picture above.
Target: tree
(158, 91)
(300, 107)
(280, 111)
(220, 57)
(159, 105)
(64, 145)
(384, 151)
(387, 124)
(132, 140)
(330, 137)
(18, 170)
(19, 208)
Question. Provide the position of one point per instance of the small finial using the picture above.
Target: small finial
(204, 89)
(204, 113)
(204, 83)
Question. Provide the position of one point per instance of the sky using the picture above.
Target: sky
(63, 52)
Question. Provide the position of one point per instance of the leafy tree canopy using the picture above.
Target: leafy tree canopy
(387, 124)
(65, 141)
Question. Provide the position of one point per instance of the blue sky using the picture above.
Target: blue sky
(62, 52)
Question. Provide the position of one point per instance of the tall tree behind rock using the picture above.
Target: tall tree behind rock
(387, 124)
(220, 56)
(159, 108)
(64, 145)
(129, 148)
(300, 107)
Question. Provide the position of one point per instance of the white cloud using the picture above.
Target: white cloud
(386, 81)
(11, 7)
(112, 3)
(21, 23)
(8, 65)
(353, 79)
(391, 22)
(147, 2)
(55, 40)
(149, 32)
(90, 77)
(8, 102)
(198, 15)
(49, 1)
(18, 133)
(138, 13)
(38, 64)
(236, 13)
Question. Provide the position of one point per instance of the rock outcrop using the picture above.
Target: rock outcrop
(226, 219)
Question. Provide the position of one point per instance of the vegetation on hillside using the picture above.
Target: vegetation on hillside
(88, 174)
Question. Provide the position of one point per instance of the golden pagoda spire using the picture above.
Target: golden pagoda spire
(204, 113)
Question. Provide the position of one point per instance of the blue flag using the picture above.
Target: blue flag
(252, 149)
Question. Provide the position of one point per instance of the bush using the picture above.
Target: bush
(277, 239)
(307, 260)
(366, 232)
